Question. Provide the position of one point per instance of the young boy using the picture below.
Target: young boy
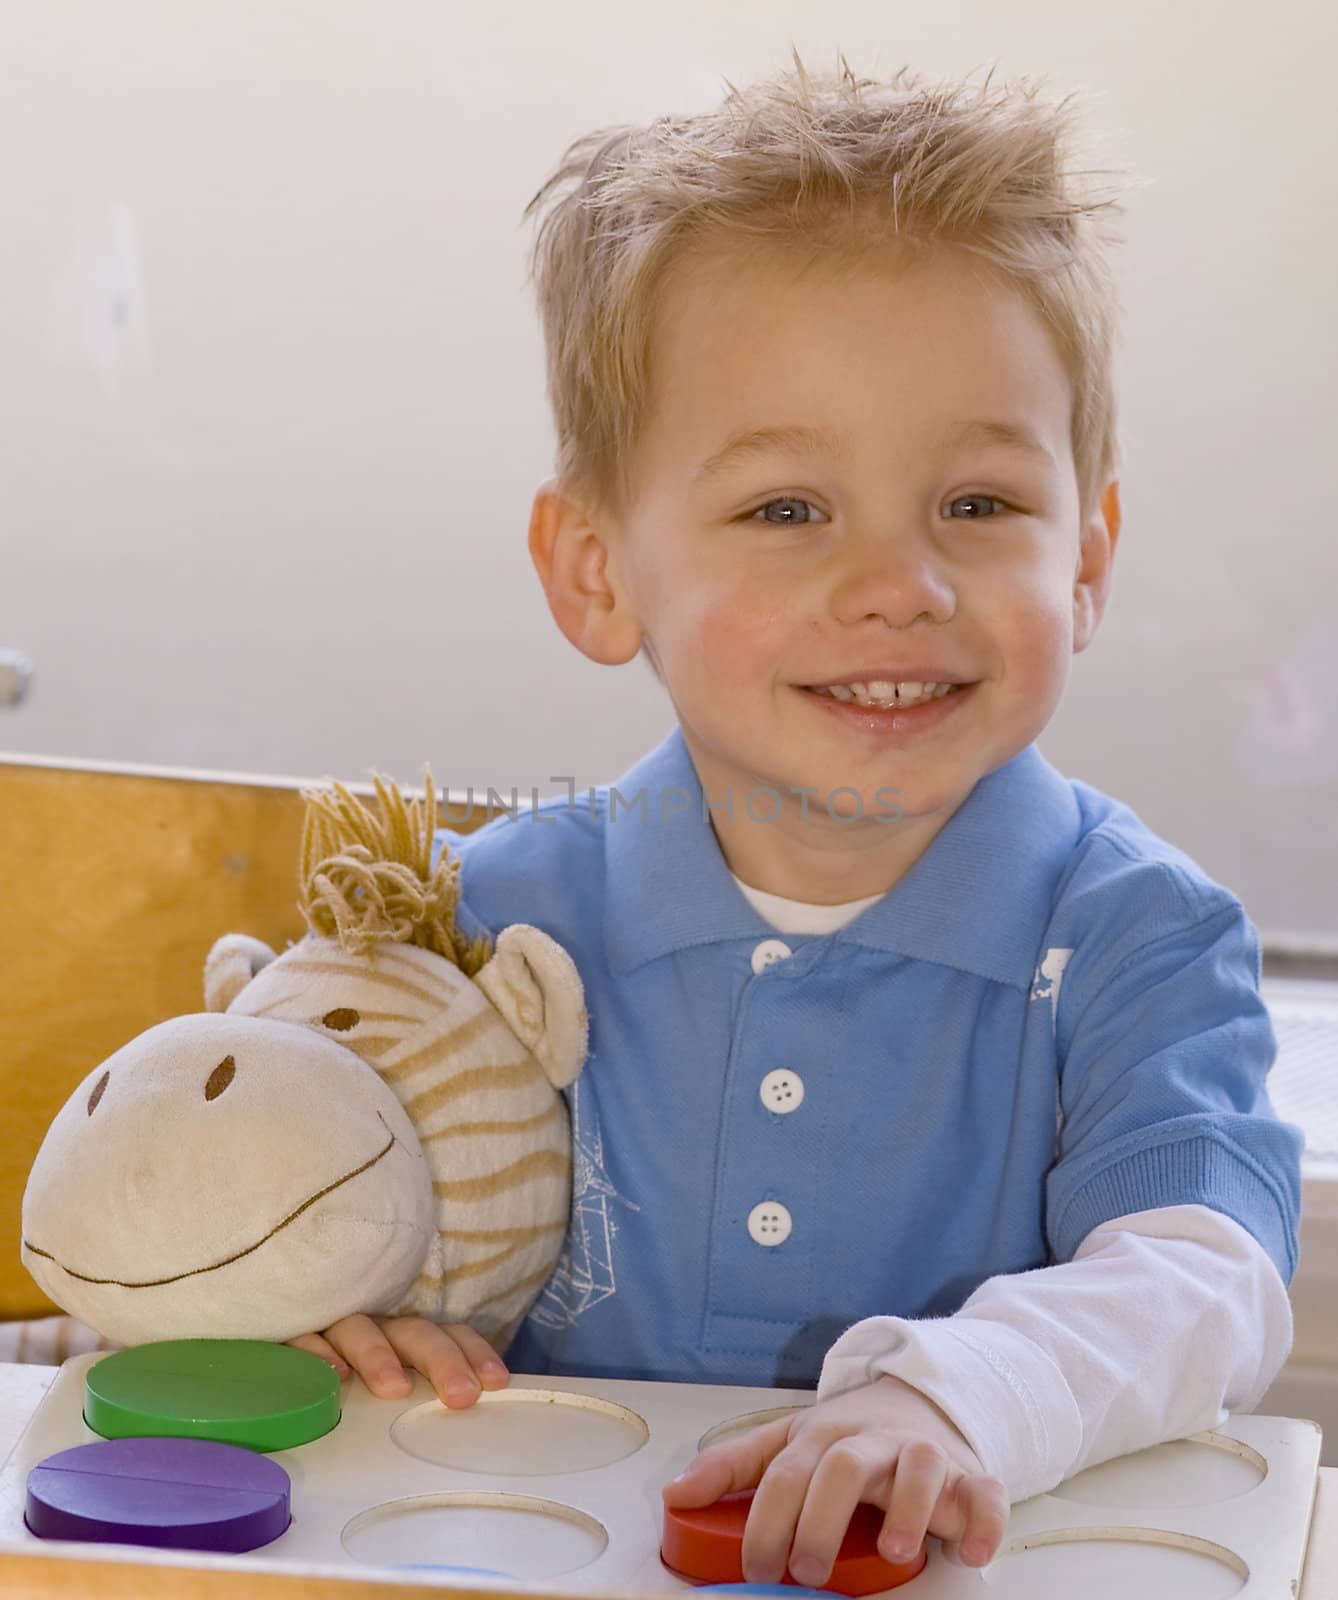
(917, 1069)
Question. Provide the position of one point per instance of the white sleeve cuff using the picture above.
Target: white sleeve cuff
(1002, 1391)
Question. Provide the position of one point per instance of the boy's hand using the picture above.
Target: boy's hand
(458, 1362)
(885, 1443)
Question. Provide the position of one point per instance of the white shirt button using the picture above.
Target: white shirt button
(781, 1090)
(769, 951)
(770, 1223)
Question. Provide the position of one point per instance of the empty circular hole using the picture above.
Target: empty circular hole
(1202, 1470)
(522, 1433)
(1149, 1561)
(733, 1426)
(514, 1535)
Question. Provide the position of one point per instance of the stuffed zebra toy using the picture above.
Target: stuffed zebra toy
(370, 1122)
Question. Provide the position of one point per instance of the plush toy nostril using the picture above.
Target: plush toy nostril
(220, 1078)
(98, 1088)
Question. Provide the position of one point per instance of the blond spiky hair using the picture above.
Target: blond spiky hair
(982, 167)
(367, 879)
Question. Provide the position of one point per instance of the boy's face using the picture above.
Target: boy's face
(901, 550)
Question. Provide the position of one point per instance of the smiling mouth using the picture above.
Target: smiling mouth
(195, 1272)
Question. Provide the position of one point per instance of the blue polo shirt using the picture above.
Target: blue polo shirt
(1053, 1019)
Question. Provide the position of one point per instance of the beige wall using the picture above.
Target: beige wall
(271, 406)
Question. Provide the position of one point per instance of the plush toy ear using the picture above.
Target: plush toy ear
(229, 967)
(534, 983)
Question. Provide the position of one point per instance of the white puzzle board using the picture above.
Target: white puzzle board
(555, 1483)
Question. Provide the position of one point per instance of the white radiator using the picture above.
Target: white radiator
(1303, 1086)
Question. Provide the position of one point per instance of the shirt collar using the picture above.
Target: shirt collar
(979, 899)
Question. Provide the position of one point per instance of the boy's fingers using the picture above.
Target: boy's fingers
(921, 1471)
(489, 1368)
(316, 1346)
(438, 1357)
(369, 1353)
(776, 1508)
(986, 1508)
(847, 1468)
(723, 1468)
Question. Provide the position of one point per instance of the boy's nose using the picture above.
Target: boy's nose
(892, 580)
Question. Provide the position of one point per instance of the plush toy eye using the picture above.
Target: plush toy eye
(220, 1078)
(98, 1089)
(341, 1019)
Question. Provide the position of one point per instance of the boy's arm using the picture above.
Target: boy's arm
(1162, 1323)
(950, 1421)
(1172, 1209)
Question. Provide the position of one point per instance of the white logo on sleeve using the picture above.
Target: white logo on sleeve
(1045, 986)
(1049, 975)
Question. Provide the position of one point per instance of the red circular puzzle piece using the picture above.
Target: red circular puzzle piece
(705, 1544)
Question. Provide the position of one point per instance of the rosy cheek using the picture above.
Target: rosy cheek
(1041, 643)
(739, 630)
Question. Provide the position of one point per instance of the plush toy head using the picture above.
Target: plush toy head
(369, 1122)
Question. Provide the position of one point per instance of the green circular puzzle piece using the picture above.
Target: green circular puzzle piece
(238, 1391)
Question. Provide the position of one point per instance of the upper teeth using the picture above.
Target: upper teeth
(880, 692)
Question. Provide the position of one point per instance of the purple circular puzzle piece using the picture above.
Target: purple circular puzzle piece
(179, 1494)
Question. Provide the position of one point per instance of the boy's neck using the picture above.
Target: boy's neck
(821, 865)
(796, 848)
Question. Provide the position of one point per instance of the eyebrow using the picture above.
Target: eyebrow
(799, 438)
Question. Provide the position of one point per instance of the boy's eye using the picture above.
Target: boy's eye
(789, 521)
(977, 500)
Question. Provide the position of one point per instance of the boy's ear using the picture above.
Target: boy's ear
(578, 567)
(1091, 584)
(1110, 511)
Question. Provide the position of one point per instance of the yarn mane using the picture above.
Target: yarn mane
(366, 879)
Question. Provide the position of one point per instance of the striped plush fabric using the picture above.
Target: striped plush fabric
(491, 1123)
